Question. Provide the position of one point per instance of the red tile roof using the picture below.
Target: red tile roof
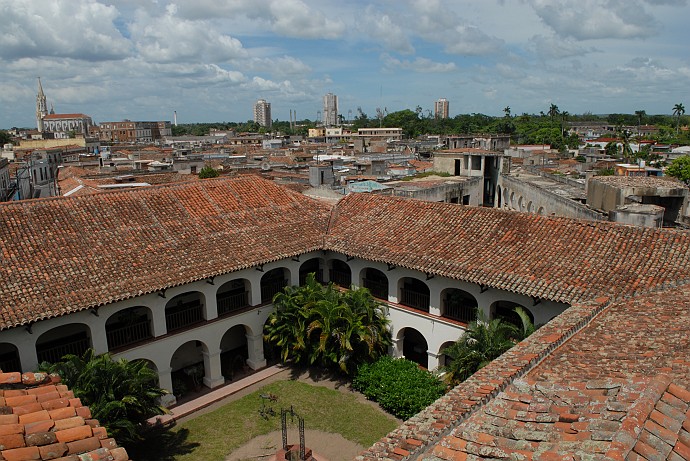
(41, 420)
(560, 259)
(61, 116)
(116, 245)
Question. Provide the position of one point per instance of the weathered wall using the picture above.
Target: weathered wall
(522, 196)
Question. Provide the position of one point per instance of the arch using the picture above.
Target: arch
(184, 310)
(9, 358)
(273, 282)
(458, 305)
(414, 346)
(234, 352)
(340, 273)
(128, 326)
(376, 281)
(540, 211)
(414, 293)
(233, 296)
(187, 365)
(504, 310)
(500, 197)
(151, 365)
(74, 338)
(309, 266)
(505, 197)
(442, 357)
(530, 207)
(521, 203)
(512, 200)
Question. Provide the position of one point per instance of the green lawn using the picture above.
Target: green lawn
(220, 432)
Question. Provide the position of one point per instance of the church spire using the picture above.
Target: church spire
(41, 106)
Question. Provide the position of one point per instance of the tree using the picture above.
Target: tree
(611, 149)
(640, 115)
(483, 341)
(316, 324)
(121, 394)
(208, 172)
(680, 169)
(4, 138)
(553, 112)
(678, 111)
(506, 110)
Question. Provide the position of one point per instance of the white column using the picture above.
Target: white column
(392, 288)
(213, 376)
(211, 307)
(432, 361)
(255, 348)
(157, 305)
(434, 299)
(165, 382)
(396, 349)
(99, 340)
(27, 351)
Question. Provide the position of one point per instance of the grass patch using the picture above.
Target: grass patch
(220, 432)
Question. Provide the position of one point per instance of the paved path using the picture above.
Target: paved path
(215, 395)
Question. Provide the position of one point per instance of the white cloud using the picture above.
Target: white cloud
(596, 19)
(82, 29)
(551, 47)
(170, 38)
(421, 65)
(382, 28)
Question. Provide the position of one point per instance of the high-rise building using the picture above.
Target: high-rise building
(441, 108)
(262, 113)
(330, 110)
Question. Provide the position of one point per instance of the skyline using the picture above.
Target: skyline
(211, 62)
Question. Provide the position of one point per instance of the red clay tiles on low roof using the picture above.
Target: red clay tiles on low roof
(41, 420)
(559, 259)
(117, 245)
(601, 419)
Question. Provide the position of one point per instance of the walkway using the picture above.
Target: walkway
(215, 395)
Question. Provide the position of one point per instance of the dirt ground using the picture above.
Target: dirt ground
(327, 446)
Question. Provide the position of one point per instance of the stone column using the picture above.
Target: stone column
(396, 349)
(212, 372)
(255, 348)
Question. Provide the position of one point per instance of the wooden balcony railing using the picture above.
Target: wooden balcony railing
(232, 302)
(343, 279)
(414, 299)
(269, 289)
(460, 313)
(55, 350)
(183, 315)
(121, 335)
(377, 289)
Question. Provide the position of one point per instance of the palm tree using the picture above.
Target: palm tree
(318, 324)
(506, 110)
(678, 111)
(640, 114)
(553, 112)
(121, 394)
(483, 341)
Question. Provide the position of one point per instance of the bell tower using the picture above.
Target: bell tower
(41, 106)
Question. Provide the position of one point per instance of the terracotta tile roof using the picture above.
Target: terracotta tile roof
(41, 420)
(116, 245)
(61, 116)
(604, 419)
(559, 259)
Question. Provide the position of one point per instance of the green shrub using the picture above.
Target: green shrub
(208, 172)
(398, 385)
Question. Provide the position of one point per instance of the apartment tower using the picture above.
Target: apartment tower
(441, 108)
(262, 113)
(330, 110)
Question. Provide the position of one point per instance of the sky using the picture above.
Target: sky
(210, 60)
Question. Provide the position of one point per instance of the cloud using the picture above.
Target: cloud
(279, 66)
(421, 65)
(551, 47)
(82, 29)
(596, 19)
(290, 18)
(170, 38)
(382, 28)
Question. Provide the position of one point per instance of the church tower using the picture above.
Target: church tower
(41, 106)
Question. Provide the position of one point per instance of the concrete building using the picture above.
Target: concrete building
(330, 110)
(473, 163)
(441, 108)
(262, 113)
(128, 131)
